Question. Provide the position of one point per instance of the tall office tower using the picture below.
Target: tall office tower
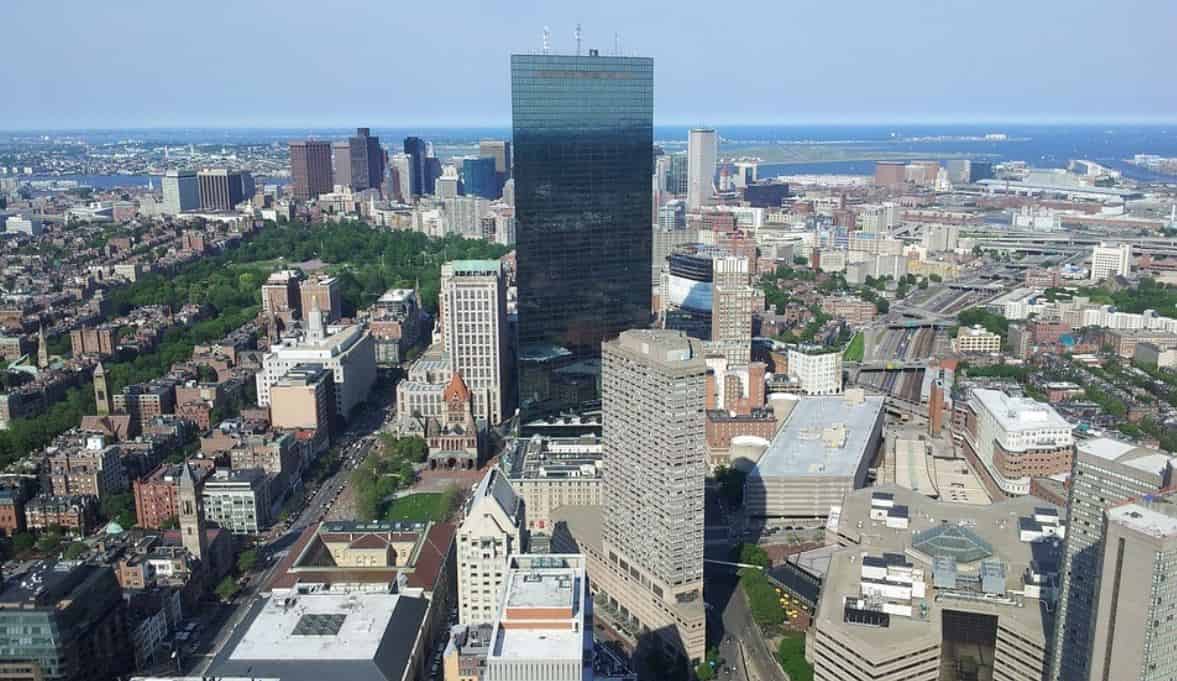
(500, 151)
(433, 170)
(1110, 260)
(1104, 473)
(446, 186)
(473, 303)
(491, 531)
(415, 148)
(181, 192)
(310, 168)
(219, 189)
(679, 177)
(403, 165)
(733, 303)
(1134, 623)
(374, 155)
(479, 178)
(351, 163)
(891, 174)
(653, 385)
(702, 149)
(583, 134)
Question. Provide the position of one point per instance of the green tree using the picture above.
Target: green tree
(75, 550)
(751, 554)
(246, 560)
(227, 588)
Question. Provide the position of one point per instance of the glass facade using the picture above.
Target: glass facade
(479, 178)
(583, 135)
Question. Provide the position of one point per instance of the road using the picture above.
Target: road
(219, 622)
(741, 644)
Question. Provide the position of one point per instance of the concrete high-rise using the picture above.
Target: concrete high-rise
(583, 140)
(310, 168)
(1134, 623)
(1104, 473)
(351, 163)
(500, 151)
(702, 149)
(416, 150)
(402, 164)
(734, 301)
(1110, 260)
(181, 191)
(653, 385)
(474, 324)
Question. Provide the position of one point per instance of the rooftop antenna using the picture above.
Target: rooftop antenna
(547, 41)
(577, 39)
(616, 44)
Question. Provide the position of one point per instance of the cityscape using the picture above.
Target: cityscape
(585, 395)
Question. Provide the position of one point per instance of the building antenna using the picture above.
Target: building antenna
(547, 41)
(577, 39)
(616, 44)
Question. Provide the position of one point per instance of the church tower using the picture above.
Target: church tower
(101, 391)
(191, 512)
(42, 350)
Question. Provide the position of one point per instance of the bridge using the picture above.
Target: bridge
(890, 364)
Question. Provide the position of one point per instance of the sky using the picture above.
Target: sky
(342, 63)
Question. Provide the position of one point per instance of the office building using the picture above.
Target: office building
(303, 399)
(734, 301)
(1105, 473)
(544, 626)
(310, 169)
(447, 185)
(552, 472)
(416, 150)
(474, 326)
(349, 353)
(63, 621)
(500, 151)
(655, 465)
(237, 500)
(821, 452)
(892, 174)
(1110, 260)
(702, 149)
(1015, 439)
(23, 224)
(493, 529)
(281, 296)
(1134, 623)
(324, 292)
(924, 590)
(402, 166)
(479, 178)
(350, 163)
(374, 155)
(976, 340)
(583, 134)
(220, 189)
(877, 218)
(181, 192)
(816, 373)
(686, 292)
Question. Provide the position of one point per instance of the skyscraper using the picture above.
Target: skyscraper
(474, 325)
(1104, 473)
(653, 385)
(702, 148)
(220, 189)
(416, 151)
(180, 192)
(479, 178)
(310, 168)
(351, 163)
(500, 151)
(374, 155)
(583, 136)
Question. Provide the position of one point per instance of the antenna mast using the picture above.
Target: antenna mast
(617, 44)
(547, 41)
(578, 39)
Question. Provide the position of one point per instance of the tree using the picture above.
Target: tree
(75, 550)
(882, 305)
(800, 260)
(23, 542)
(246, 560)
(731, 485)
(119, 508)
(752, 554)
(227, 588)
(935, 278)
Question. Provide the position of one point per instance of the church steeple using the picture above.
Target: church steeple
(315, 322)
(42, 349)
(101, 391)
(191, 513)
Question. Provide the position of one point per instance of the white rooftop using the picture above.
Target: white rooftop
(359, 622)
(823, 436)
(1016, 414)
(1146, 518)
(1143, 458)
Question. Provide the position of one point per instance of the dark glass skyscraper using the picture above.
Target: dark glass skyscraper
(583, 135)
(479, 178)
(415, 148)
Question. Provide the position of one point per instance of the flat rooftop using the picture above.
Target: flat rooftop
(543, 615)
(1152, 516)
(1141, 458)
(361, 636)
(542, 589)
(801, 446)
(1020, 413)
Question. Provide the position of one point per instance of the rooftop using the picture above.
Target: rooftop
(825, 436)
(1016, 414)
(361, 636)
(1154, 516)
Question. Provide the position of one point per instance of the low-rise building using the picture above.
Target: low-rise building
(817, 373)
(1153, 354)
(238, 501)
(976, 340)
(821, 452)
(156, 503)
(1014, 439)
(77, 515)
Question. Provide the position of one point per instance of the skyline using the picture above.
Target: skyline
(257, 65)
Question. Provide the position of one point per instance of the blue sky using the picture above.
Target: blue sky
(155, 63)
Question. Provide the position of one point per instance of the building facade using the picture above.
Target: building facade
(1015, 439)
(474, 325)
(583, 134)
(493, 529)
(816, 373)
(702, 149)
(310, 168)
(181, 191)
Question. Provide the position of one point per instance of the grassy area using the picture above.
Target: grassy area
(856, 349)
(435, 506)
(791, 654)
